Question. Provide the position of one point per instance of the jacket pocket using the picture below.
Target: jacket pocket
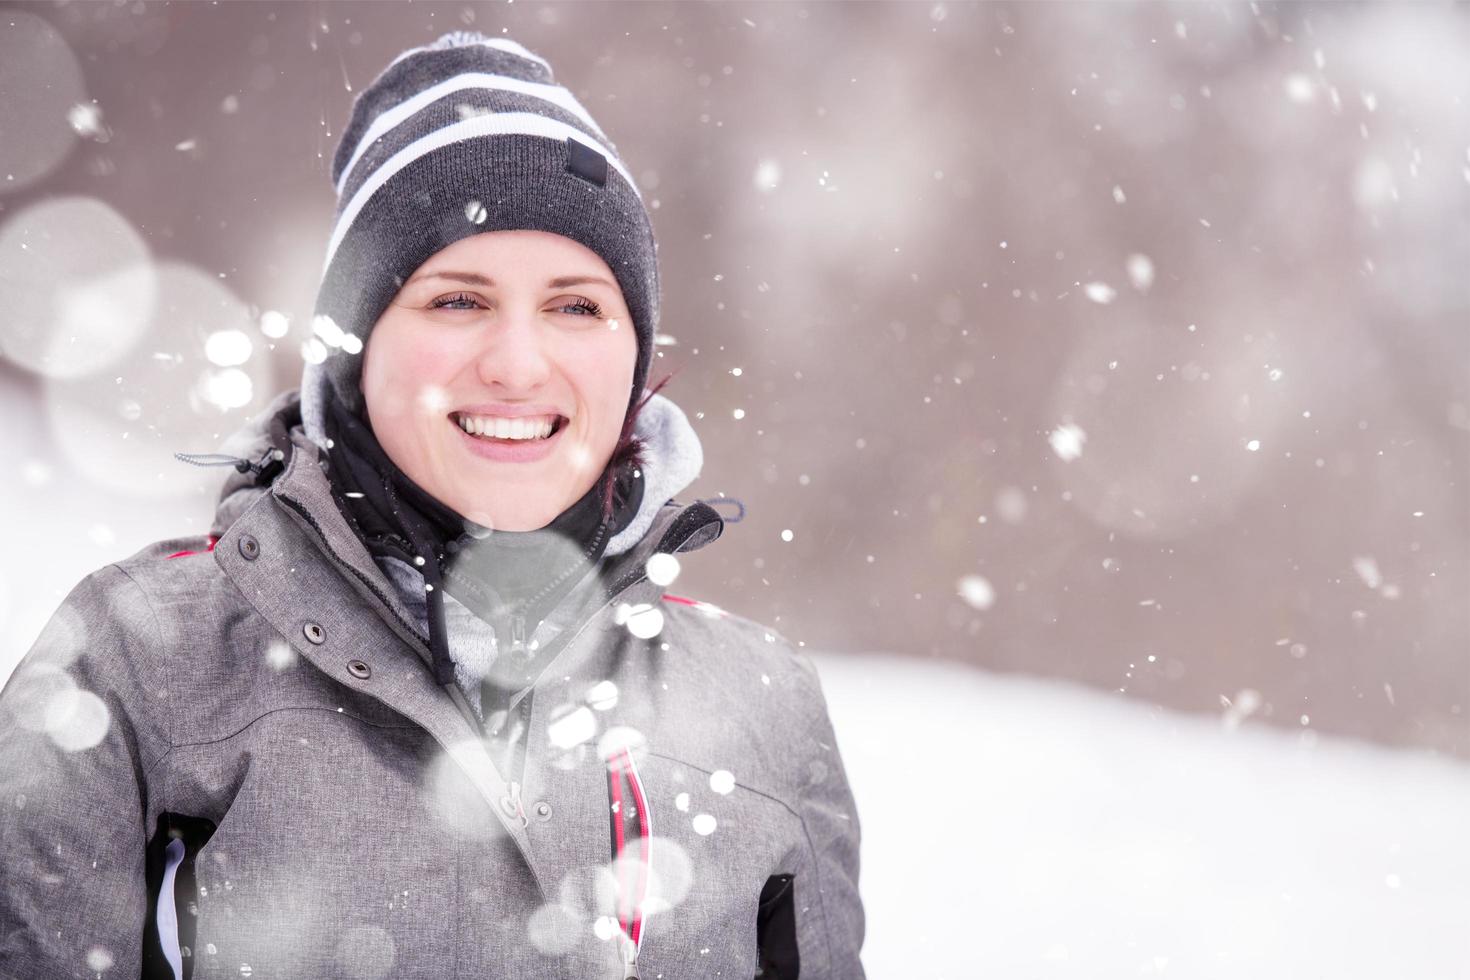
(775, 930)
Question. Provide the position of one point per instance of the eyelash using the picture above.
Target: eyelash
(443, 303)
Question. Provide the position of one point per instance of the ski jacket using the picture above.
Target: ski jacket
(226, 756)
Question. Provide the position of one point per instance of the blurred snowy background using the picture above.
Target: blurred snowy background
(1107, 364)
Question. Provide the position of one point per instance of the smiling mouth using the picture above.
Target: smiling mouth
(558, 424)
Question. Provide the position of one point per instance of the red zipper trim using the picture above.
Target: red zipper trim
(180, 554)
(632, 895)
(645, 833)
(616, 783)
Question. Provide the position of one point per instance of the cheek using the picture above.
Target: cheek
(607, 368)
(399, 377)
(619, 357)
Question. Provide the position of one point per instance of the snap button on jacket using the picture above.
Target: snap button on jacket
(192, 785)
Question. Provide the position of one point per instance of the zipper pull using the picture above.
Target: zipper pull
(510, 637)
(630, 957)
(518, 635)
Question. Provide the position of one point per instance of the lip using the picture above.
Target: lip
(508, 410)
(507, 452)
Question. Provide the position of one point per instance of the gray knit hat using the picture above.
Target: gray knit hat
(466, 135)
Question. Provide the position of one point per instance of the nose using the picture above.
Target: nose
(512, 356)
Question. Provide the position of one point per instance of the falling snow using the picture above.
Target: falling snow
(894, 348)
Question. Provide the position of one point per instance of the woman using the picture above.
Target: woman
(419, 704)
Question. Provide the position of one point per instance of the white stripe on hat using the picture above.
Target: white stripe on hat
(492, 124)
(465, 38)
(387, 120)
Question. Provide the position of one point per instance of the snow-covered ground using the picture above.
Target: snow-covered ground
(1017, 828)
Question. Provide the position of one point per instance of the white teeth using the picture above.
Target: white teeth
(502, 428)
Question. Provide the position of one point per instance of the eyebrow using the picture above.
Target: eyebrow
(475, 279)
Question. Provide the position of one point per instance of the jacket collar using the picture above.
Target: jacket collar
(673, 459)
(288, 549)
(477, 632)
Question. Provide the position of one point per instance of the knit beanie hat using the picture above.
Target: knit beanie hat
(466, 135)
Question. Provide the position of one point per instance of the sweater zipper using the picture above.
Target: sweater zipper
(517, 634)
(570, 636)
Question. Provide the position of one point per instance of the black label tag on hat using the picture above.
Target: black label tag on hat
(586, 162)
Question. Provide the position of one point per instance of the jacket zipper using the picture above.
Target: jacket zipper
(630, 947)
(630, 958)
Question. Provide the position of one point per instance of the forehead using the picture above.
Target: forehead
(540, 254)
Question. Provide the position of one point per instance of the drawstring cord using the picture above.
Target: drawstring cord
(430, 565)
(711, 501)
(265, 469)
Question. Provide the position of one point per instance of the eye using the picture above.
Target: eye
(583, 303)
(447, 302)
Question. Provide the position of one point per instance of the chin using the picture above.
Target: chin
(516, 521)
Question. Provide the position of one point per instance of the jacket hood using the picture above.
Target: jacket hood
(274, 456)
(673, 458)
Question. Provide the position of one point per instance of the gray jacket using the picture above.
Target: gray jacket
(230, 759)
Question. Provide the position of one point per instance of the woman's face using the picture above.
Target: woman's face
(499, 325)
